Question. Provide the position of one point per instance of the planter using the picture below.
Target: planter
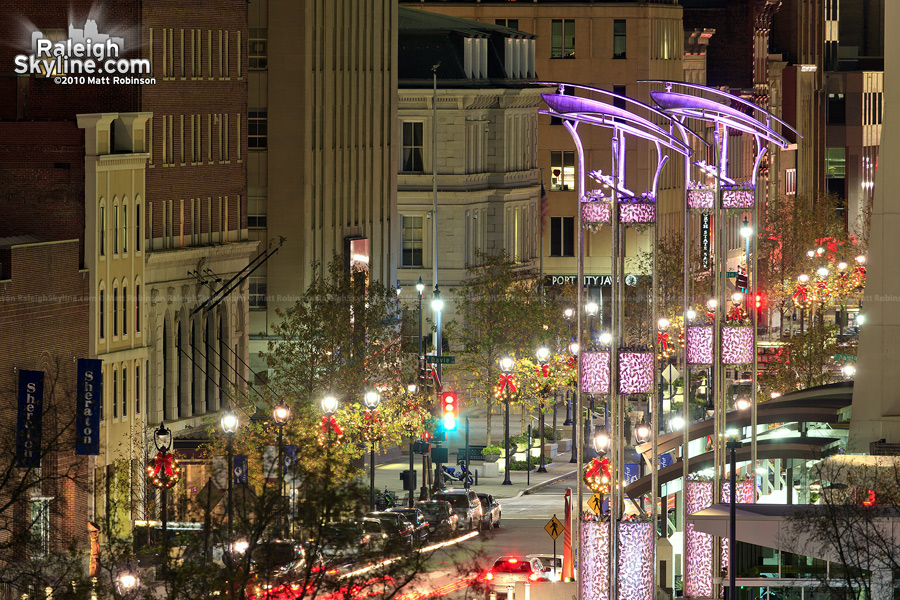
(489, 458)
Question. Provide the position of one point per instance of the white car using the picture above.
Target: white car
(508, 570)
(491, 508)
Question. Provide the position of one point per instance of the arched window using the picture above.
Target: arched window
(137, 388)
(125, 227)
(115, 228)
(102, 315)
(115, 393)
(195, 367)
(138, 240)
(137, 306)
(165, 352)
(124, 391)
(210, 388)
(124, 310)
(101, 218)
(222, 363)
(178, 369)
(115, 309)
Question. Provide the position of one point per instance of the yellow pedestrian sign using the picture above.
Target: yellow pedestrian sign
(554, 528)
(596, 503)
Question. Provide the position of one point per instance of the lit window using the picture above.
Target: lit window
(562, 236)
(619, 38)
(562, 38)
(258, 48)
(412, 235)
(562, 170)
(258, 293)
(412, 147)
(257, 129)
(790, 182)
(39, 534)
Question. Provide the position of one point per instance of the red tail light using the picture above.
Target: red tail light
(489, 576)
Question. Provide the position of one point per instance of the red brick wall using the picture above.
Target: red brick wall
(44, 307)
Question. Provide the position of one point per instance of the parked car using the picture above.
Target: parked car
(466, 505)
(491, 509)
(552, 565)
(399, 530)
(507, 570)
(343, 542)
(275, 565)
(442, 521)
(416, 519)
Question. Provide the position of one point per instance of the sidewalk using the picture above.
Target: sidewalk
(388, 475)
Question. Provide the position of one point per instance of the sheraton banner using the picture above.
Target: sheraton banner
(31, 409)
(90, 391)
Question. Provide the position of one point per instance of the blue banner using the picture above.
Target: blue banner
(632, 472)
(665, 460)
(31, 409)
(90, 390)
(239, 469)
(290, 457)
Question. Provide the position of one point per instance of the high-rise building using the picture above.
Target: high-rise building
(322, 157)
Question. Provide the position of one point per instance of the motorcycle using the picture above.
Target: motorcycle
(463, 474)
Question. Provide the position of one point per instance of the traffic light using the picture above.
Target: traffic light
(449, 410)
(760, 303)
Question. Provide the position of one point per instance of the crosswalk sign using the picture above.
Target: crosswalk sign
(553, 528)
(596, 503)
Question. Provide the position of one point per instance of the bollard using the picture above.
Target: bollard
(476, 476)
(527, 590)
(493, 596)
(510, 592)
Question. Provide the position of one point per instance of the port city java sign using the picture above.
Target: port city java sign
(589, 280)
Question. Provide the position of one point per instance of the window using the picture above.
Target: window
(115, 310)
(115, 394)
(835, 163)
(258, 48)
(116, 229)
(101, 315)
(562, 38)
(39, 534)
(137, 389)
(257, 128)
(412, 147)
(258, 293)
(124, 391)
(256, 213)
(412, 237)
(137, 308)
(102, 232)
(137, 228)
(619, 38)
(124, 309)
(124, 228)
(562, 236)
(562, 170)
(619, 102)
(837, 109)
(511, 23)
(790, 182)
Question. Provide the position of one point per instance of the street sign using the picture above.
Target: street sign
(445, 359)
(732, 273)
(209, 495)
(670, 373)
(596, 503)
(553, 528)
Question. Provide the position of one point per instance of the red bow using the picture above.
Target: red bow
(506, 379)
(597, 466)
(329, 421)
(800, 294)
(543, 370)
(663, 340)
(572, 362)
(163, 462)
(736, 314)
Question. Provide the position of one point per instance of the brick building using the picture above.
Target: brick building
(151, 179)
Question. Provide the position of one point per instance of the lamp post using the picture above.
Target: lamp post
(412, 388)
(803, 279)
(420, 287)
(281, 414)
(568, 314)
(506, 365)
(573, 402)
(591, 309)
(162, 439)
(329, 407)
(229, 426)
(543, 356)
(372, 400)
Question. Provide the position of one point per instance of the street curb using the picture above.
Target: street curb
(544, 484)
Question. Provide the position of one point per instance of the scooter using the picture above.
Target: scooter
(451, 474)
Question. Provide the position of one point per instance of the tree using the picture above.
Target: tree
(500, 312)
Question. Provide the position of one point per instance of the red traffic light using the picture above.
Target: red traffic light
(449, 410)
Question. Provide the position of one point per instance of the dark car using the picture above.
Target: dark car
(275, 565)
(348, 541)
(491, 508)
(417, 519)
(442, 521)
(399, 530)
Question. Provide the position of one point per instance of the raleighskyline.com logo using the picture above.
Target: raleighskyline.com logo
(85, 53)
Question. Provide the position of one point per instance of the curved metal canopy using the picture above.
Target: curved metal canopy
(719, 110)
(594, 112)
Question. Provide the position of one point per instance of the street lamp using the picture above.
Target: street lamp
(642, 432)
(229, 426)
(162, 439)
(543, 356)
(399, 288)
(742, 403)
(372, 399)
(573, 406)
(601, 442)
(849, 371)
(506, 365)
(591, 309)
(712, 304)
(737, 298)
(420, 287)
(691, 315)
(329, 406)
(746, 230)
(281, 414)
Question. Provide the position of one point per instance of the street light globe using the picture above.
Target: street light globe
(605, 338)
(573, 348)
(329, 405)
(127, 581)
(774, 395)
(849, 371)
(543, 355)
(712, 303)
(861, 259)
(820, 251)
(676, 423)
(507, 364)
(691, 314)
(742, 403)
(663, 324)
(568, 313)
(601, 442)
(860, 319)
(811, 253)
(412, 388)
(842, 266)
(398, 288)
(162, 437)
(803, 278)
(229, 422)
(746, 230)
(642, 432)
(281, 414)
(437, 303)
(372, 399)
(592, 308)
(737, 298)
(420, 286)
(822, 272)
